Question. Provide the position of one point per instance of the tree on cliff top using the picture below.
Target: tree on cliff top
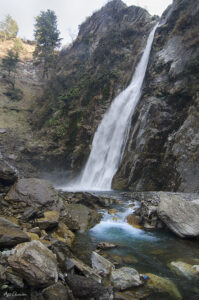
(47, 39)
(8, 28)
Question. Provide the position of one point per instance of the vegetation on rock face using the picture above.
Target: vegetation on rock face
(47, 39)
(8, 28)
(9, 65)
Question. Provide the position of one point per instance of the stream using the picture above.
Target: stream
(146, 251)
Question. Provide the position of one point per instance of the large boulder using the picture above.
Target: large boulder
(35, 263)
(124, 278)
(161, 284)
(80, 218)
(149, 202)
(184, 269)
(11, 234)
(180, 215)
(30, 197)
(84, 288)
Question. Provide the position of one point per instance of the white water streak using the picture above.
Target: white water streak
(111, 136)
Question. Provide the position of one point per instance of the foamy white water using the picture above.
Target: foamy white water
(113, 226)
(112, 134)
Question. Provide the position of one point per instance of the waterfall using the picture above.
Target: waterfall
(112, 134)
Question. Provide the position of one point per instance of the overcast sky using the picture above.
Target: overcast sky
(70, 13)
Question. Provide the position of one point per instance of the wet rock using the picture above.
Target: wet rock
(112, 211)
(79, 217)
(56, 291)
(38, 194)
(134, 221)
(184, 269)
(84, 288)
(102, 266)
(11, 234)
(114, 258)
(181, 216)
(63, 234)
(130, 259)
(50, 220)
(34, 263)
(124, 278)
(163, 285)
(106, 245)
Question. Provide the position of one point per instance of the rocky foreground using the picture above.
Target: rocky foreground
(37, 230)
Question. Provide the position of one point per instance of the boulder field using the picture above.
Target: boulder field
(37, 230)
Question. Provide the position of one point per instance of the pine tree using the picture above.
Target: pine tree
(9, 65)
(47, 39)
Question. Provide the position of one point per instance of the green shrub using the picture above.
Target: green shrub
(14, 94)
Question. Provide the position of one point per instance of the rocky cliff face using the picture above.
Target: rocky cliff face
(162, 152)
(16, 136)
(163, 148)
(97, 66)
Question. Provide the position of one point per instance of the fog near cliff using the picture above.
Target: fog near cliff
(70, 14)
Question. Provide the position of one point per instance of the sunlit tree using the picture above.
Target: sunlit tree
(8, 28)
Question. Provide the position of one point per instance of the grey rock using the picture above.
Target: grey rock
(34, 193)
(11, 234)
(102, 266)
(85, 288)
(62, 253)
(35, 263)
(184, 269)
(56, 291)
(106, 245)
(124, 278)
(15, 280)
(149, 204)
(49, 221)
(80, 218)
(84, 269)
(181, 216)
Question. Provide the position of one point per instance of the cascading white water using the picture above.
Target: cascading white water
(112, 134)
